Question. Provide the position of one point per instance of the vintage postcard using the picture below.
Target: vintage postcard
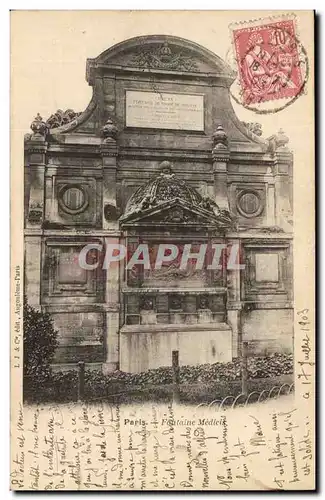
(162, 233)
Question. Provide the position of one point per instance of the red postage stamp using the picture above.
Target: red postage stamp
(268, 62)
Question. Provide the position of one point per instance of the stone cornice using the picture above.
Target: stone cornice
(182, 155)
(109, 153)
(283, 157)
(38, 150)
(170, 154)
(75, 149)
(217, 79)
(109, 148)
(220, 156)
(249, 235)
(256, 236)
(62, 233)
(32, 145)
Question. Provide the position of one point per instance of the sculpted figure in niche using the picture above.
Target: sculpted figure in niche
(203, 302)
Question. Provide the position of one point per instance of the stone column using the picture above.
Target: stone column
(220, 156)
(233, 299)
(35, 150)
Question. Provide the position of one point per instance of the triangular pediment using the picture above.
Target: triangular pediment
(177, 213)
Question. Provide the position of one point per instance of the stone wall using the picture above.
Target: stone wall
(268, 331)
(80, 175)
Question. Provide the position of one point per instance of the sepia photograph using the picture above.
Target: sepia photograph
(162, 272)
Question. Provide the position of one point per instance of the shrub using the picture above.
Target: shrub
(60, 387)
(200, 383)
(269, 366)
(40, 342)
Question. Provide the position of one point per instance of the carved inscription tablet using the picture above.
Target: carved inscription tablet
(164, 110)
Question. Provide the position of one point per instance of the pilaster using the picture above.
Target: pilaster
(51, 203)
(220, 156)
(234, 298)
(282, 181)
(112, 298)
(109, 152)
(35, 156)
(32, 282)
(270, 197)
(282, 163)
(35, 152)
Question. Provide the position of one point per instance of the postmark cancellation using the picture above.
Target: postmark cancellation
(271, 63)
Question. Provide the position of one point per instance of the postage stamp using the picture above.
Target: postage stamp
(270, 62)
